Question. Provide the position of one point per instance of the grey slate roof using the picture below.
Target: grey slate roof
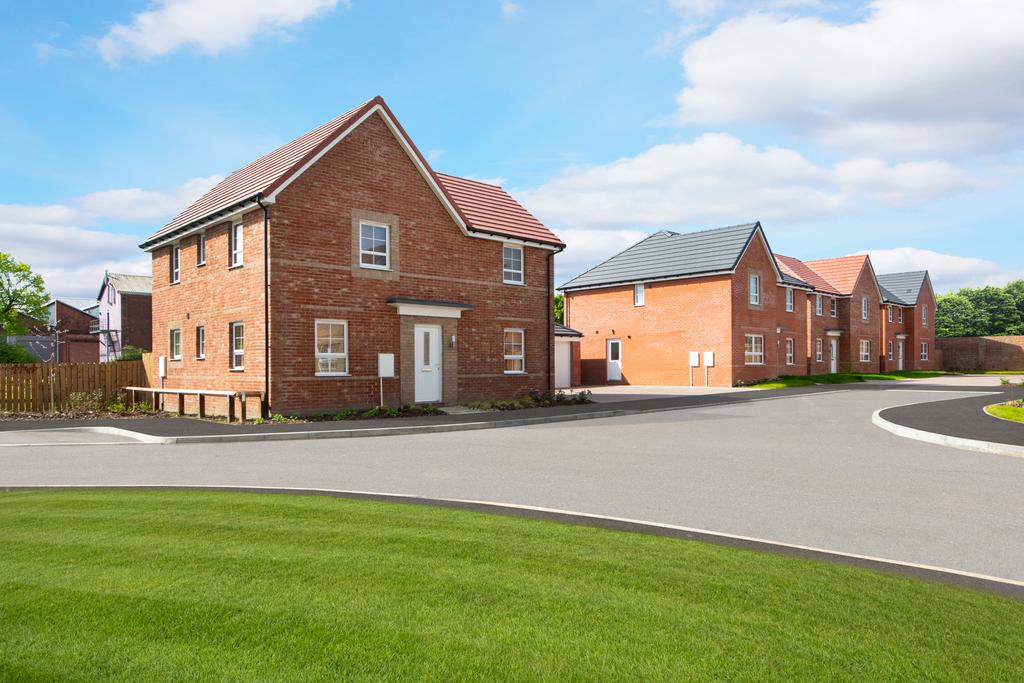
(563, 331)
(902, 288)
(131, 284)
(668, 254)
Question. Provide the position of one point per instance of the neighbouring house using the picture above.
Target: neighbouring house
(908, 321)
(34, 336)
(709, 307)
(824, 328)
(567, 357)
(292, 274)
(71, 328)
(124, 315)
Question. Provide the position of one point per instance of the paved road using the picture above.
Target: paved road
(808, 469)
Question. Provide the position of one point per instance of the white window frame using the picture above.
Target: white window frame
(511, 276)
(789, 300)
(901, 314)
(790, 351)
(200, 342)
(639, 294)
(521, 356)
(889, 351)
(753, 356)
(174, 344)
(924, 350)
(889, 308)
(833, 307)
(864, 308)
(201, 250)
(236, 242)
(236, 354)
(111, 298)
(865, 350)
(754, 289)
(331, 355)
(175, 264)
(819, 350)
(371, 254)
(924, 316)
(818, 309)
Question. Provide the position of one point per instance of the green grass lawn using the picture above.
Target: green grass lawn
(1007, 412)
(843, 378)
(213, 586)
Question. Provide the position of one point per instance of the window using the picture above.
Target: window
(237, 346)
(200, 342)
(819, 350)
(236, 245)
(512, 265)
(865, 350)
(889, 310)
(833, 306)
(864, 308)
(924, 350)
(374, 245)
(790, 352)
(174, 347)
(755, 289)
(890, 350)
(924, 316)
(331, 344)
(638, 295)
(817, 304)
(175, 263)
(201, 250)
(753, 351)
(901, 314)
(789, 299)
(514, 352)
(111, 298)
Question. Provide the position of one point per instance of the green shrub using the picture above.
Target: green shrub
(12, 354)
(279, 418)
(1004, 381)
(346, 414)
(82, 402)
(131, 353)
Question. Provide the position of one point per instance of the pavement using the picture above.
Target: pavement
(798, 467)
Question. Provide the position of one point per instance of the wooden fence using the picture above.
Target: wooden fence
(43, 387)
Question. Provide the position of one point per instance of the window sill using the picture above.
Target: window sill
(200, 265)
(200, 357)
(761, 364)
(515, 372)
(175, 360)
(236, 369)
(332, 374)
(513, 282)
(366, 267)
(237, 265)
(175, 282)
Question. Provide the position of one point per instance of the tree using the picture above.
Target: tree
(21, 292)
(998, 307)
(956, 316)
(12, 353)
(560, 309)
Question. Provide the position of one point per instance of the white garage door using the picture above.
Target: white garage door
(563, 364)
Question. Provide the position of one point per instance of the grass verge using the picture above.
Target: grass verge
(843, 378)
(1013, 413)
(187, 586)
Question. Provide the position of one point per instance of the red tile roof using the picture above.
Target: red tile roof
(480, 206)
(842, 272)
(798, 269)
(488, 208)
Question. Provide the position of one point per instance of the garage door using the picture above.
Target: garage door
(563, 364)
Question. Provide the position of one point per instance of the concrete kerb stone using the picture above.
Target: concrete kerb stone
(975, 445)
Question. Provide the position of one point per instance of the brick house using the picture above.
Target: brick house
(824, 328)
(125, 314)
(72, 328)
(908, 325)
(709, 307)
(293, 274)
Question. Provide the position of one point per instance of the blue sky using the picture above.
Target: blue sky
(893, 127)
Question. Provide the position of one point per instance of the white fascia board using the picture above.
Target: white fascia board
(205, 224)
(626, 283)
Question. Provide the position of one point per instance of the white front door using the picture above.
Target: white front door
(563, 364)
(427, 342)
(614, 356)
(833, 355)
(899, 355)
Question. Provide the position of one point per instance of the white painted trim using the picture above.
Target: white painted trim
(753, 363)
(833, 333)
(627, 283)
(520, 357)
(522, 265)
(205, 225)
(387, 246)
(316, 345)
(428, 310)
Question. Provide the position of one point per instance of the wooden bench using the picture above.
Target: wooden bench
(201, 395)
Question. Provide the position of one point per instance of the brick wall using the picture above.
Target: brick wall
(855, 328)
(137, 321)
(982, 353)
(817, 328)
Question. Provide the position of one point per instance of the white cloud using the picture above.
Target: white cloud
(912, 77)
(948, 272)
(209, 25)
(718, 178)
(700, 7)
(58, 242)
(46, 51)
(587, 248)
(510, 9)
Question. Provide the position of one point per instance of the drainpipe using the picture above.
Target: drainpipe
(265, 408)
(550, 323)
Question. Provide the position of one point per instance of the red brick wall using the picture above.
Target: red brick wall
(137, 321)
(982, 353)
(855, 328)
(312, 275)
(924, 332)
(817, 326)
(75, 342)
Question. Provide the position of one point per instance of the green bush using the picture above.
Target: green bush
(83, 402)
(131, 353)
(346, 414)
(11, 354)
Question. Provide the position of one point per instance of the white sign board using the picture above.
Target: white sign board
(161, 367)
(385, 365)
(709, 359)
(694, 359)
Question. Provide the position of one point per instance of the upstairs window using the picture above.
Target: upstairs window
(864, 308)
(753, 350)
(639, 294)
(237, 346)
(924, 316)
(889, 310)
(175, 263)
(331, 344)
(512, 265)
(833, 305)
(236, 245)
(754, 289)
(817, 304)
(111, 297)
(789, 299)
(901, 315)
(201, 250)
(514, 352)
(374, 245)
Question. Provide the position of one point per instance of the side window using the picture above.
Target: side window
(201, 249)
(237, 346)
(237, 245)
(818, 350)
(924, 316)
(789, 299)
(200, 342)
(639, 294)
(514, 352)
(175, 263)
(374, 245)
(174, 345)
(330, 340)
(754, 289)
(512, 265)
(834, 307)
(817, 304)
(790, 351)
(864, 308)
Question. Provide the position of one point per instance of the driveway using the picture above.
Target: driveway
(805, 469)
